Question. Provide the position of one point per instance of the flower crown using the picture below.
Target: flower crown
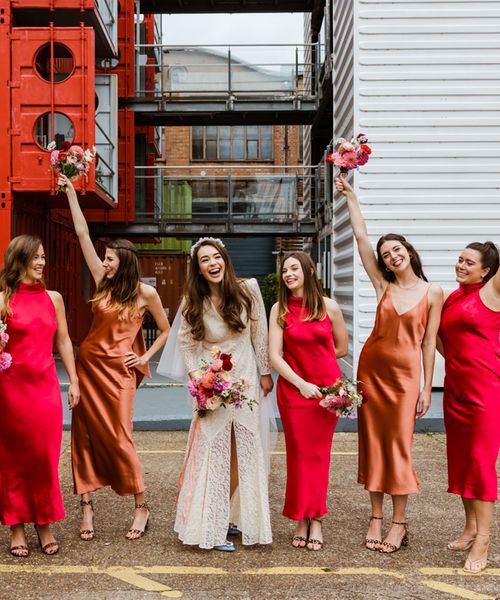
(201, 241)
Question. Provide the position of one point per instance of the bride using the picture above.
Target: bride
(223, 484)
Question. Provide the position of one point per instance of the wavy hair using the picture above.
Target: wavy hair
(122, 290)
(20, 252)
(415, 261)
(313, 290)
(235, 295)
(489, 257)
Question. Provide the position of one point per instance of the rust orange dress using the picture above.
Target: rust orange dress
(389, 372)
(102, 449)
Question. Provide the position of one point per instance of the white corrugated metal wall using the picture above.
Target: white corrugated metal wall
(427, 93)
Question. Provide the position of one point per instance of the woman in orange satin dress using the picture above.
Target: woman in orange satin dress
(111, 363)
(403, 337)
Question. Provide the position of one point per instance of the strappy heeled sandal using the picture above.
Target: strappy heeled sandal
(459, 545)
(301, 538)
(139, 532)
(313, 541)
(391, 548)
(90, 533)
(47, 546)
(371, 540)
(476, 566)
(14, 549)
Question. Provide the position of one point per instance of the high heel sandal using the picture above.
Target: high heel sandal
(476, 566)
(371, 540)
(87, 532)
(461, 545)
(301, 538)
(45, 547)
(391, 548)
(314, 541)
(139, 532)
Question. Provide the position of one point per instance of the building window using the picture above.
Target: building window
(232, 143)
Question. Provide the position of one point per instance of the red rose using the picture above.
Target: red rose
(227, 365)
(64, 146)
(62, 156)
(366, 149)
(330, 158)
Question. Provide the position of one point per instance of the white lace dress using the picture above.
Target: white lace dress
(203, 507)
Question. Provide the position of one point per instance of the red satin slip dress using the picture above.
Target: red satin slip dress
(308, 348)
(470, 333)
(31, 413)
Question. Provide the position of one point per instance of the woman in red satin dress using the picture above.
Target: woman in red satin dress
(30, 397)
(111, 363)
(389, 370)
(307, 333)
(470, 343)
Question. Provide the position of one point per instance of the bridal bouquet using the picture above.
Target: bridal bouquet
(72, 161)
(342, 398)
(5, 357)
(212, 387)
(350, 155)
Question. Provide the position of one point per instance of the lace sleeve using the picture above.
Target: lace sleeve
(258, 329)
(190, 348)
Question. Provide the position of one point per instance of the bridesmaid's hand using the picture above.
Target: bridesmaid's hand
(266, 383)
(424, 402)
(342, 186)
(133, 360)
(309, 390)
(73, 395)
(65, 182)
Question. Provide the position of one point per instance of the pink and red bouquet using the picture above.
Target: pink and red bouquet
(342, 398)
(212, 387)
(5, 357)
(350, 155)
(70, 160)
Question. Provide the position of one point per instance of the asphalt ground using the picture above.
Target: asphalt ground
(158, 565)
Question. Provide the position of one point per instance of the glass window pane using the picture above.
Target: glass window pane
(225, 149)
(266, 142)
(197, 149)
(252, 150)
(211, 133)
(211, 150)
(253, 132)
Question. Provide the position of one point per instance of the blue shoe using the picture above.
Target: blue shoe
(225, 547)
(233, 530)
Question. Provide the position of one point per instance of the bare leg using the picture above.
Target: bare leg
(18, 543)
(87, 526)
(466, 538)
(476, 561)
(397, 530)
(374, 533)
(141, 518)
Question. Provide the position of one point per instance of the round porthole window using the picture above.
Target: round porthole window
(63, 130)
(61, 67)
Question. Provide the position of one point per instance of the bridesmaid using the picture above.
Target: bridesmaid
(30, 397)
(307, 333)
(403, 337)
(111, 362)
(470, 336)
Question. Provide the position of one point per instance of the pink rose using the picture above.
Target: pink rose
(216, 365)
(350, 160)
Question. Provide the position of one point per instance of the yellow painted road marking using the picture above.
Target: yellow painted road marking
(455, 590)
(459, 571)
(181, 570)
(138, 581)
(321, 571)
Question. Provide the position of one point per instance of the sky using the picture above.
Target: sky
(207, 30)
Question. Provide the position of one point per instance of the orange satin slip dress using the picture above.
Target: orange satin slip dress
(102, 449)
(389, 375)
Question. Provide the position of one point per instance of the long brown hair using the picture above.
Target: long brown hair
(415, 261)
(235, 295)
(313, 290)
(19, 254)
(489, 257)
(122, 290)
